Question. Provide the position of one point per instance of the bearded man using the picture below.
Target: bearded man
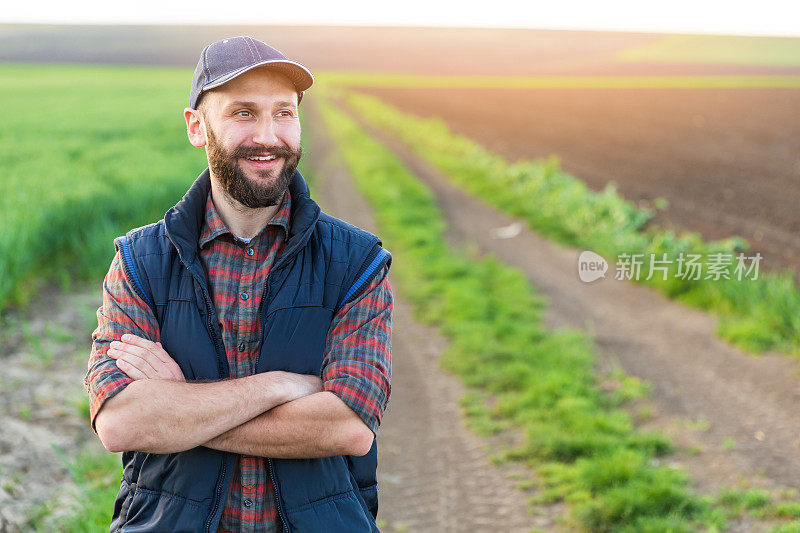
(242, 358)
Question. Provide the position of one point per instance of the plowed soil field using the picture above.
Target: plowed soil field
(727, 160)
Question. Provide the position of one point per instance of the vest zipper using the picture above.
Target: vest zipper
(211, 331)
(264, 298)
(210, 326)
(284, 522)
(278, 499)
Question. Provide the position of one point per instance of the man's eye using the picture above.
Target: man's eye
(243, 113)
(287, 113)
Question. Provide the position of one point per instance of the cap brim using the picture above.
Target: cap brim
(299, 75)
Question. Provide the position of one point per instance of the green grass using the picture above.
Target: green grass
(97, 477)
(580, 440)
(87, 152)
(419, 81)
(756, 315)
(711, 49)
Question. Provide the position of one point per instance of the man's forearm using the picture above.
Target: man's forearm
(163, 416)
(317, 425)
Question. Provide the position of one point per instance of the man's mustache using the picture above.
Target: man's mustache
(277, 151)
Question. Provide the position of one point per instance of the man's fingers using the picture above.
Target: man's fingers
(146, 361)
(138, 357)
(129, 348)
(152, 347)
(141, 364)
(130, 370)
(140, 351)
(161, 365)
(130, 338)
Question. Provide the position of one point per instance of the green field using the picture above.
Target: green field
(86, 154)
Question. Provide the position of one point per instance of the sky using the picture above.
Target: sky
(762, 17)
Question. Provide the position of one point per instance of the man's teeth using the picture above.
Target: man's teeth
(260, 158)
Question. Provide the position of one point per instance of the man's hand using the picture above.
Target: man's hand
(143, 359)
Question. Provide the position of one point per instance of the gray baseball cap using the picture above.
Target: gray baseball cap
(222, 61)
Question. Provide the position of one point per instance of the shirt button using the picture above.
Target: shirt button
(241, 346)
(250, 251)
(244, 296)
(248, 502)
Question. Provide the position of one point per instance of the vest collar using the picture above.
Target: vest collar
(184, 221)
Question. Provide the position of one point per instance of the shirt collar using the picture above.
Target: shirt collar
(213, 226)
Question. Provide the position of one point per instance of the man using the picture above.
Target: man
(242, 359)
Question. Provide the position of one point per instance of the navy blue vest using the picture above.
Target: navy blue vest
(325, 263)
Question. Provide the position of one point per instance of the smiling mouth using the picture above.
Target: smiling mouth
(262, 161)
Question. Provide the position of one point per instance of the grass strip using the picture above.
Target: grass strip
(580, 440)
(755, 314)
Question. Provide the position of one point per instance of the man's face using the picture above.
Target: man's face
(253, 136)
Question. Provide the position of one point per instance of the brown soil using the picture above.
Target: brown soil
(731, 415)
(728, 161)
(44, 353)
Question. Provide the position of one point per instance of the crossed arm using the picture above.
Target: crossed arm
(274, 414)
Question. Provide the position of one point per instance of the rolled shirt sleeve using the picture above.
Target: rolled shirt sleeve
(357, 364)
(123, 311)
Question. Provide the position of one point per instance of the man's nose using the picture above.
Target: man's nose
(265, 133)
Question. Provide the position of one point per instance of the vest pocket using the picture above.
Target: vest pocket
(339, 513)
(151, 510)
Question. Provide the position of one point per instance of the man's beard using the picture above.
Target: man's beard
(225, 166)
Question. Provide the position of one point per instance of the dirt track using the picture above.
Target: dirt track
(728, 161)
(706, 393)
(434, 475)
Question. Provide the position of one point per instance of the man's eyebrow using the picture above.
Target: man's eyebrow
(247, 103)
(241, 103)
(284, 103)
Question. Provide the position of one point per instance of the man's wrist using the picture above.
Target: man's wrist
(271, 390)
(277, 388)
(280, 387)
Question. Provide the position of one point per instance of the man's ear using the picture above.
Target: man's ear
(195, 127)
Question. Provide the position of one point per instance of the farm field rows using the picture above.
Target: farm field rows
(726, 160)
(756, 314)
